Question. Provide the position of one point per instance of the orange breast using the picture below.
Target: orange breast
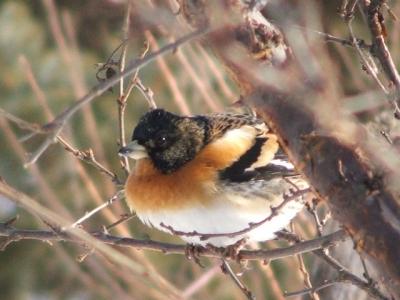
(197, 181)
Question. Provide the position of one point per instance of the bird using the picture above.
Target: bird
(211, 178)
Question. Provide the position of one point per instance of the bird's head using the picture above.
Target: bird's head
(167, 139)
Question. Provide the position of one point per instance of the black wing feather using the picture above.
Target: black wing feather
(237, 171)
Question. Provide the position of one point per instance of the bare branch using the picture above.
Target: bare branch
(345, 275)
(327, 283)
(226, 268)
(305, 274)
(380, 49)
(12, 234)
(88, 157)
(368, 63)
(21, 123)
(121, 101)
(146, 92)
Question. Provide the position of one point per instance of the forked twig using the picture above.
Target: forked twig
(88, 157)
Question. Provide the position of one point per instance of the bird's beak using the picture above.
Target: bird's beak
(133, 150)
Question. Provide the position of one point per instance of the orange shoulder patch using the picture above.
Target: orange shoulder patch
(147, 189)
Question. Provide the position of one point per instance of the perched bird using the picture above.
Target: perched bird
(210, 175)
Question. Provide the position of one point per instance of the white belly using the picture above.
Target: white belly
(224, 217)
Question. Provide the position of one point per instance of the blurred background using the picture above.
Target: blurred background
(50, 53)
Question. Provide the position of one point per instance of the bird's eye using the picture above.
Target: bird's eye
(162, 140)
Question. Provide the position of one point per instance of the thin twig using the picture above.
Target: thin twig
(314, 289)
(366, 272)
(328, 37)
(88, 157)
(304, 272)
(380, 49)
(200, 282)
(124, 217)
(146, 92)
(366, 62)
(117, 196)
(312, 209)
(226, 268)
(121, 101)
(387, 137)
(21, 123)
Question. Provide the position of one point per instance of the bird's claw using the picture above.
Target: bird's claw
(192, 252)
(232, 251)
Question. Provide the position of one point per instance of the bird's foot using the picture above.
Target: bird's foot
(233, 251)
(192, 252)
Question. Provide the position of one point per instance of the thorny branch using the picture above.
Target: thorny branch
(274, 212)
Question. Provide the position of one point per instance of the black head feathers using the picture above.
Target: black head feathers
(171, 140)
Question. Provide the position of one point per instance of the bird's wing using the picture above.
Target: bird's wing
(259, 193)
(259, 153)
(260, 170)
